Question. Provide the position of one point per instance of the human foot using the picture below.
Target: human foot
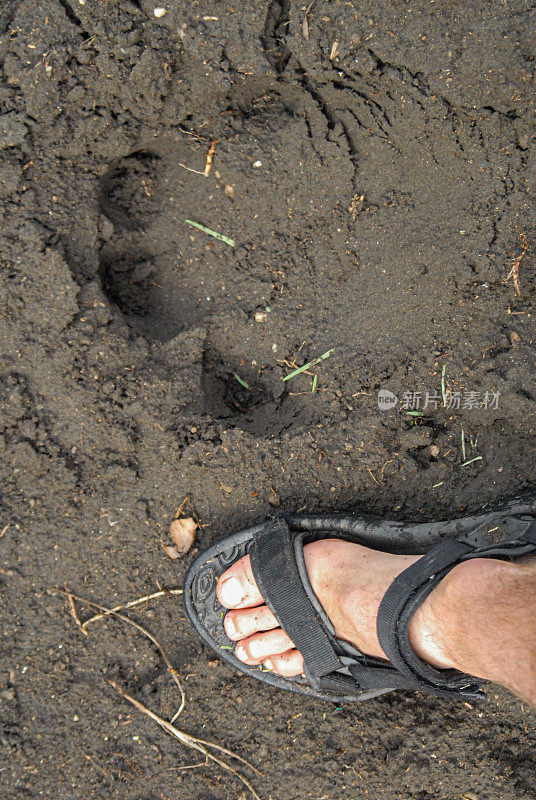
(350, 581)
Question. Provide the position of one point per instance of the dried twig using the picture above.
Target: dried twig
(190, 741)
(193, 742)
(514, 272)
(208, 164)
(210, 154)
(171, 669)
(74, 615)
(372, 476)
(130, 604)
(305, 24)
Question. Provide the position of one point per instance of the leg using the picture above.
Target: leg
(480, 619)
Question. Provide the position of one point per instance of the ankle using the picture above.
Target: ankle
(476, 621)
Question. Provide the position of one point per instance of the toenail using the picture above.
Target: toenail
(240, 653)
(230, 628)
(231, 592)
(268, 664)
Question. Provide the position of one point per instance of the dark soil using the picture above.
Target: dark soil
(396, 189)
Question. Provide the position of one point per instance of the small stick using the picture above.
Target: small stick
(74, 615)
(189, 741)
(514, 272)
(129, 605)
(197, 171)
(193, 766)
(208, 165)
(95, 763)
(4, 531)
(209, 158)
(171, 669)
(372, 476)
(178, 512)
(305, 24)
(195, 135)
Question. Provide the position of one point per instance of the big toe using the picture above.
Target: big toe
(237, 587)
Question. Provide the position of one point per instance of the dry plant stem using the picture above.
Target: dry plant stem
(189, 741)
(171, 669)
(75, 616)
(210, 155)
(514, 272)
(131, 604)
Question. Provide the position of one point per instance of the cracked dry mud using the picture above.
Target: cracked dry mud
(396, 181)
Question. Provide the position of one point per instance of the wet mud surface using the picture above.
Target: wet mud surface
(375, 169)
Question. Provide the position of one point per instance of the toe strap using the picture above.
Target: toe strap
(274, 567)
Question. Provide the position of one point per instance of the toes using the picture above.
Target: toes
(239, 624)
(237, 588)
(286, 664)
(261, 646)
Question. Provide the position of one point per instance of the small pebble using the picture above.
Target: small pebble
(257, 163)
(159, 12)
(260, 316)
(434, 450)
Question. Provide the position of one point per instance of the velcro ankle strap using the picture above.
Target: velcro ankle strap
(400, 602)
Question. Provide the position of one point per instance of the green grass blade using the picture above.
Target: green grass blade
(241, 381)
(315, 381)
(309, 365)
(220, 236)
(471, 460)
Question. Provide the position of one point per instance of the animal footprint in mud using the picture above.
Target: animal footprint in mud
(164, 275)
(253, 406)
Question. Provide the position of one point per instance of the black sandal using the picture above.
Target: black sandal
(334, 669)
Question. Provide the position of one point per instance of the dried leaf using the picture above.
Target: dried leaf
(170, 551)
(305, 28)
(182, 531)
(334, 50)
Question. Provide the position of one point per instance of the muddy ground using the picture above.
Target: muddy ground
(375, 168)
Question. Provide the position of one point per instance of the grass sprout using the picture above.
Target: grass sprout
(471, 461)
(220, 236)
(308, 365)
(241, 381)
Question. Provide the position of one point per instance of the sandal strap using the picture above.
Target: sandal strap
(274, 567)
(409, 590)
